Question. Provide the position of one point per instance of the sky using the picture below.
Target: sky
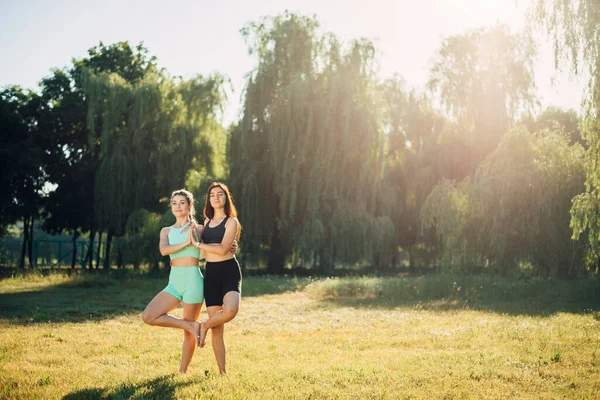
(191, 37)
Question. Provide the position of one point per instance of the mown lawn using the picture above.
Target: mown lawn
(423, 337)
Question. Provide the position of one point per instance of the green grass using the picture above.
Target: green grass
(423, 337)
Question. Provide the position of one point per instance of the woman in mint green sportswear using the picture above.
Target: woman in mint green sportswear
(186, 283)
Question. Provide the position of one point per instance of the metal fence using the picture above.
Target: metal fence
(52, 253)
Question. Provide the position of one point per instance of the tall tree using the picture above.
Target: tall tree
(484, 79)
(306, 158)
(514, 209)
(419, 152)
(152, 132)
(71, 165)
(63, 124)
(573, 25)
(21, 162)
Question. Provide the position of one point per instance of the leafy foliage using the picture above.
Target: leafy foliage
(515, 209)
(306, 158)
(574, 28)
(152, 133)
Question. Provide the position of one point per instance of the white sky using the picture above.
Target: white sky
(190, 37)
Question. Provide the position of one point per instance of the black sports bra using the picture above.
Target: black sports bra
(214, 235)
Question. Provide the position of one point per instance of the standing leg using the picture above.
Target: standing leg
(216, 335)
(191, 312)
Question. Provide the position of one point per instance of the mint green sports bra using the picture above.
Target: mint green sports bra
(176, 236)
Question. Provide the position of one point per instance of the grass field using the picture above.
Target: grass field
(425, 337)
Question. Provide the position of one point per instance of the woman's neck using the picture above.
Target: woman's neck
(219, 214)
(181, 221)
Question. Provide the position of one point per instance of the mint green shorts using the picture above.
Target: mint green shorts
(186, 284)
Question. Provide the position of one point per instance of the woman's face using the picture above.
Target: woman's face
(180, 206)
(217, 197)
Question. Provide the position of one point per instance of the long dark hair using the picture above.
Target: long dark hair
(230, 210)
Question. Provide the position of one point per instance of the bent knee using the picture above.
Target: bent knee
(148, 318)
(230, 313)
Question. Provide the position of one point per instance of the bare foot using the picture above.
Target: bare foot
(196, 331)
(202, 335)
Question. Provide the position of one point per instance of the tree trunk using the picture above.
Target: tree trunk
(74, 258)
(24, 247)
(30, 243)
(109, 238)
(119, 258)
(327, 264)
(277, 252)
(90, 253)
(330, 267)
(377, 265)
(99, 248)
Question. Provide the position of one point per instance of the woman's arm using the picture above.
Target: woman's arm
(197, 233)
(195, 236)
(164, 247)
(226, 244)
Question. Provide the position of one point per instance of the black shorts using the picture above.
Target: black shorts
(220, 278)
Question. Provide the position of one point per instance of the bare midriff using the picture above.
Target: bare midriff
(184, 262)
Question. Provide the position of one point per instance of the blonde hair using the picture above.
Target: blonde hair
(190, 199)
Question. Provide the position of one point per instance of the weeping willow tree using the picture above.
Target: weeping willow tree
(306, 157)
(151, 134)
(573, 26)
(515, 208)
(417, 156)
(483, 79)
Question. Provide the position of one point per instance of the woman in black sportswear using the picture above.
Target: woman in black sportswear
(223, 278)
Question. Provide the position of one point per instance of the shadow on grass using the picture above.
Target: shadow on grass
(515, 308)
(535, 297)
(163, 387)
(97, 296)
(83, 298)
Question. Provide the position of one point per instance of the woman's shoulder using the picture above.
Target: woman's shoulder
(165, 230)
(229, 219)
